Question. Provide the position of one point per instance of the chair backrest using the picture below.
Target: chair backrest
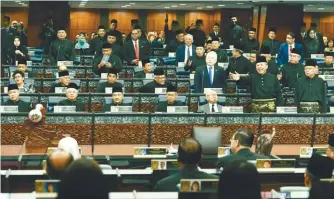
(182, 99)
(331, 101)
(23, 98)
(26, 81)
(119, 80)
(209, 137)
(264, 144)
(76, 81)
(53, 101)
(146, 81)
(126, 100)
(221, 100)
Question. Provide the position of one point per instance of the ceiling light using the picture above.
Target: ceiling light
(167, 7)
(183, 4)
(199, 8)
(17, 1)
(209, 7)
(174, 6)
(85, 0)
(132, 3)
(221, 5)
(310, 5)
(321, 8)
(21, 3)
(123, 6)
(239, 3)
(127, 5)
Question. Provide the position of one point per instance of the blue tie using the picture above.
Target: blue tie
(210, 76)
(188, 53)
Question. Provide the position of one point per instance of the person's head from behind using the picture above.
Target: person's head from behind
(83, 179)
(319, 167)
(211, 58)
(57, 162)
(330, 149)
(71, 146)
(239, 180)
(189, 152)
(322, 189)
(241, 139)
(211, 96)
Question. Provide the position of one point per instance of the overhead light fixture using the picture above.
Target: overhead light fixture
(123, 6)
(85, 0)
(221, 5)
(199, 8)
(132, 3)
(321, 8)
(240, 3)
(127, 5)
(183, 4)
(21, 3)
(17, 1)
(209, 7)
(166, 7)
(174, 6)
(310, 5)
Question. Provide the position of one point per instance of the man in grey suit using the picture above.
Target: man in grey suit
(211, 106)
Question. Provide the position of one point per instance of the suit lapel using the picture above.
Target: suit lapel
(207, 108)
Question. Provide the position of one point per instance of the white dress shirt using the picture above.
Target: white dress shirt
(215, 106)
(293, 46)
(185, 53)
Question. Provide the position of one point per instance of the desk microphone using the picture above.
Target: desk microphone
(202, 81)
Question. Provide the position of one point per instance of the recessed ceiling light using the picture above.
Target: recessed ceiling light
(183, 4)
(85, 0)
(209, 7)
(221, 5)
(21, 3)
(310, 5)
(199, 8)
(127, 5)
(132, 3)
(123, 6)
(17, 1)
(174, 6)
(321, 8)
(240, 3)
(166, 7)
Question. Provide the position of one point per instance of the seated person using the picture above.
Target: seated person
(57, 162)
(211, 106)
(82, 44)
(147, 68)
(319, 167)
(158, 82)
(14, 99)
(22, 66)
(17, 51)
(171, 99)
(117, 98)
(72, 95)
(111, 81)
(330, 149)
(18, 76)
(328, 60)
(64, 81)
(196, 60)
(189, 155)
(241, 143)
(107, 60)
(221, 54)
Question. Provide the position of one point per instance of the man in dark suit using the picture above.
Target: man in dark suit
(189, 155)
(209, 76)
(235, 32)
(170, 34)
(61, 49)
(117, 99)
(241, 143)
(7, 37)
(185, 51)
(135, 49)
(111, 81)
(95, 44)
(72, 98)
(116, 33)
(216, 32)
(221, 54)
(171, 99)
(285, 50)
(147, 69)
(174, 43)
(115, 47)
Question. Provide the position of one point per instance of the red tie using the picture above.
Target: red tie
(136, 50)
(290, 48)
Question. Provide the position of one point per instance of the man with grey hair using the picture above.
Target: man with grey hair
(211, 106)
(186, 50)
(210, 75)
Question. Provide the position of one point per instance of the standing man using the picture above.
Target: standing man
(175, 43)
(238, 63)
(251, 43)
(311, 91)
(236, 32)
(265, 88)
(95, 44)
(115, 32)
(185, 51)
(271, 43)
(136, 50)
(216, 32)
(283, 56)
(170, 34)
(197, 32)
(107, 60)
(61, 49)
(209, 75)
(196, 60)
(7, 37)
(221, 54)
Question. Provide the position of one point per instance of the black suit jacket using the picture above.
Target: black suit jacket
(188, 172)
(202, 81)
(129, 51)
(242, 154)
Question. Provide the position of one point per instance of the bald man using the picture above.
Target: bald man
(57, 162)
(189, 155)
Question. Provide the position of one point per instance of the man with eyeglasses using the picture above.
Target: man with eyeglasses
(285, 50)
(158, 82)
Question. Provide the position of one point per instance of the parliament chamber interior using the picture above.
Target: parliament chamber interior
(167, 99)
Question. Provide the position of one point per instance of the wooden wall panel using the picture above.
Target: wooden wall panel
(18, 14)
(123, 18)
(86, 20)
(209, 19)
(327, 24)
(156, 20)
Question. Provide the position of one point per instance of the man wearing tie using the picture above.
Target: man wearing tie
(284, 53)
(209, 76)
(216, 32)
(211, 106)
(185, 51)
(135, 49)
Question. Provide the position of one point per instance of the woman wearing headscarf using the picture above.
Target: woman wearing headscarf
(17, 52)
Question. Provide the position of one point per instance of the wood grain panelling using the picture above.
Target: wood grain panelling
(18, 14)
(86, 20)
(262, 32)
(307, 19)
(327, 24)
(156, 20)
(209, 19)
(123, 18)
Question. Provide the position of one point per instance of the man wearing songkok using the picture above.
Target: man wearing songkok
(329, 57)
(273, 67)
(111, 81)
(158, 82)
(95, 43)
(171, 99)
(117, 99)
(106, 61)
(64, 80)
(22, 66)
(265, 88)
(271, 43)
(311, 91)
(72, 95)
(147, 69)
(250, 42)
(221, 54)
(197, 32)
(196, 60)
(319, 167)
(174, 43)
(61, 49)
(14, 99)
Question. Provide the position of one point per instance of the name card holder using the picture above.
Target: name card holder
(60, 90)
(223, 65)
(66, 63)
(172, 54)
(317, 56)
(180, 64)
(327, 77)
(177, 109)
(275, 163)
(233, 109)
(149, 76)
(121, 109)
(150, 152)
(199, 185)
(231, 47)
(218, 90)
(160, 90)
(224, 151)
(192, 76)
(21, 90)
(71, 74)
(9, 109)
(331, 109)
(64, 109)
(46, 186)
(104, 75)
(164, 164)
(286, 110)
(306, 152)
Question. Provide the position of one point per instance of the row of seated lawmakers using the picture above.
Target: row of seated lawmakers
(310, 90)
(238, 179)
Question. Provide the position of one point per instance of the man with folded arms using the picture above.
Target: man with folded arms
(264, 88)
(319, 167)
(211, 106)
(241, 143)
(14, 99)
(311, 91)
(111, 81)
(72, 95)
(171, 99)
(117, 98)
(189, 155)
(158, 82)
